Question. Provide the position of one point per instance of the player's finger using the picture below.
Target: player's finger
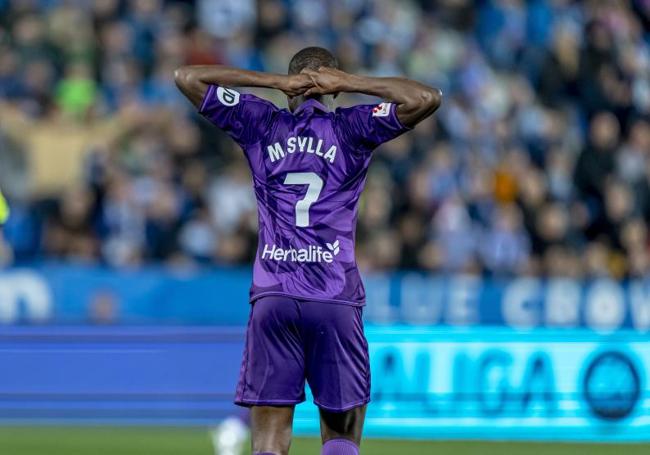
(314, 82)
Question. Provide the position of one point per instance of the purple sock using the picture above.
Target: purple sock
(340, 447)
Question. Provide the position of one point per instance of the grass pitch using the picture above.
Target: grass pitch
(190, 441)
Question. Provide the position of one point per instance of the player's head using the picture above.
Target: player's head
(311, 58)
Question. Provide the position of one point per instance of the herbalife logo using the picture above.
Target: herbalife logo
(333, 247)
(312, 253)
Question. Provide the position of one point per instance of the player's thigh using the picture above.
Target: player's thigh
(336, 356)
(343, 425)
(271, 429)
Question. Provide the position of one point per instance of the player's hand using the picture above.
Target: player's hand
(326, 81)
(296, 84)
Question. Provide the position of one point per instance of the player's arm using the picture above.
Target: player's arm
(193, 81)
(414, 101)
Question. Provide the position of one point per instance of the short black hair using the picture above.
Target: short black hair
(313, 58)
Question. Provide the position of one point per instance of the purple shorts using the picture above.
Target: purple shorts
(290, 340)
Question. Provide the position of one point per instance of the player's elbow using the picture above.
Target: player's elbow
(188, 80)
(422, 103)
(430, 98)
(184, 77)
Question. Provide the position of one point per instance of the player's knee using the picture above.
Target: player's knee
(342, 425)
(271, 448)
(271, 444)
(271, 430)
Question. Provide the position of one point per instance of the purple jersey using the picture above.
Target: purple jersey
(309, 168)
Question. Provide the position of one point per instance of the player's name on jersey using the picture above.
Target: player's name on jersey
(301, 144)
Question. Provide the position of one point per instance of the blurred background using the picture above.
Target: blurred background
(504, 241)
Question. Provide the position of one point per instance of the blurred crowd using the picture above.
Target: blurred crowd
(537, 163)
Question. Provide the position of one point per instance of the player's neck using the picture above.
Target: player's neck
(326, 100)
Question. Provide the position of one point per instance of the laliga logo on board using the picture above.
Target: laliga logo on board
(612, 385)
(312, 253)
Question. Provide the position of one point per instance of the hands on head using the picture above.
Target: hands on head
(296, 85)
(324, 81)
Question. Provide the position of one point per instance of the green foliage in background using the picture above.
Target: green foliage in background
(4, 209)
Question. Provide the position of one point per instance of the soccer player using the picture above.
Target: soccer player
(309, 167)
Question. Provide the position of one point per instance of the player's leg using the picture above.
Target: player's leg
(272, 377)
(341, 431)
(271, 429)
(338, 372)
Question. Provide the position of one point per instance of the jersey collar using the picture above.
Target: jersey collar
(311, 104)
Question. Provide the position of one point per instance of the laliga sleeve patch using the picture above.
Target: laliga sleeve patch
(381, 110)
(227, 96)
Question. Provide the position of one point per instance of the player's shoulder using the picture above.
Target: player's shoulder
(370, 110)
(346, 110)
(230, 97)
(261, 102)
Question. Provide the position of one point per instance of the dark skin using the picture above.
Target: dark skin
(193, 81)
(271, 428)
(415, 101)
(271, 425)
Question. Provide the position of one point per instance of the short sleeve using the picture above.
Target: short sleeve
(368, 126)
(243, 117)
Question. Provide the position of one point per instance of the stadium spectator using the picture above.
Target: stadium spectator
(539, 162)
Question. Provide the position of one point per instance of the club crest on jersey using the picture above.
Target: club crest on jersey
(227, 96)
(381, 110)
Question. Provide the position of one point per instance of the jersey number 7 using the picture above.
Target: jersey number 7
(314, 186)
